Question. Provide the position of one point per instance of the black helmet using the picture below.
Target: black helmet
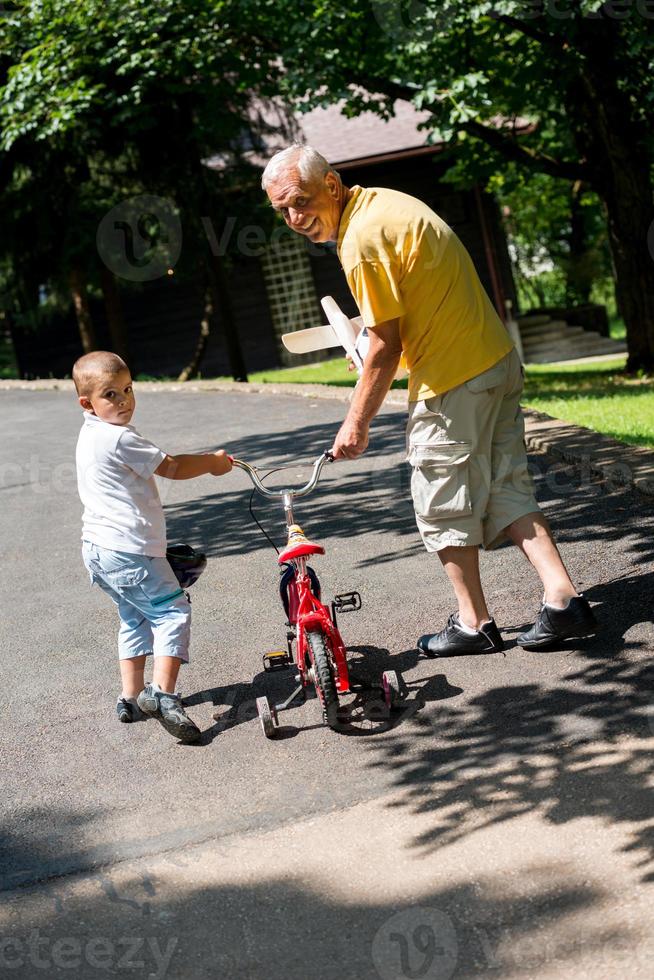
(187, 563)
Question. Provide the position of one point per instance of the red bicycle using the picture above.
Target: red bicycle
(320, 654)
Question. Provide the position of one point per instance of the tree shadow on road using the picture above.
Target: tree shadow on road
(580, 746)
(371, 496)
(179, 922)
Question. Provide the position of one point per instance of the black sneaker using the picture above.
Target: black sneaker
(128, 712)
(453, 640)
(169, 710)
(555, 625)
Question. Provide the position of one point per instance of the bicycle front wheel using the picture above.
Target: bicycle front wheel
(323, 677)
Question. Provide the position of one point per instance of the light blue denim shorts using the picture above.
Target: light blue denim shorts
(155, 613)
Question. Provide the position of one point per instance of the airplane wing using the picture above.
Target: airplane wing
(313, 338)
(341, 331)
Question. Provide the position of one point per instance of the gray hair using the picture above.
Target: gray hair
(310, 164)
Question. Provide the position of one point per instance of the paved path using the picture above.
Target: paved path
(511, 799)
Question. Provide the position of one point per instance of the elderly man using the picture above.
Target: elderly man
(421, 300)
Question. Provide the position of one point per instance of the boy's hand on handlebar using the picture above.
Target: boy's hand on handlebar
(221, 463)
(351, 441)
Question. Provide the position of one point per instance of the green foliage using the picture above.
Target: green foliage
(7, 361)
(102, 101)
(559, 90)
(551, 267)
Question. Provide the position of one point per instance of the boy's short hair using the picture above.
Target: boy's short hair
(90, 367)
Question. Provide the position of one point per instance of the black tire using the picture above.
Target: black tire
(323, 679)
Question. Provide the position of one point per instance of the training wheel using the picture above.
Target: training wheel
(267, 717)
(392, 689)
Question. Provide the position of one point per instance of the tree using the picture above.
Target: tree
(552, 222)
(558, 87)
(136, 95)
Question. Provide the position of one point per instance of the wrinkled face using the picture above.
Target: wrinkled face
(112, 399)
(313, 209)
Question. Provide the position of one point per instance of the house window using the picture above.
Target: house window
(291, 293)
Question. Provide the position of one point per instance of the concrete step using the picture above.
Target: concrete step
(551, 336)
(529, 329)
(533, 320)
(560, 352)
(554, 357)
(579, 350)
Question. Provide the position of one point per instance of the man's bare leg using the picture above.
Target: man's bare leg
(462, 568)
(531, 533)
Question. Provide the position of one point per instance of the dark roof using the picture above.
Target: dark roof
(344, 141)
(348, 141)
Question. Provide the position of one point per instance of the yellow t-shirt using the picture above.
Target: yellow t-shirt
(401, 260)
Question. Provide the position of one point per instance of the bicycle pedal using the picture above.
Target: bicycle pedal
(276, 660)
(347, 602)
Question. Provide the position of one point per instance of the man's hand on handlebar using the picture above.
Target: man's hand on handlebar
(221, 463)
(351, 441)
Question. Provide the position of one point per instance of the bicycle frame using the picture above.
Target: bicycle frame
(305, 611)
(311, 614)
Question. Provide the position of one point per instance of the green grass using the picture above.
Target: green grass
(596, 395)
(332, 372)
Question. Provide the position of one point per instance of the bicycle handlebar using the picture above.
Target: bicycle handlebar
(253, 473)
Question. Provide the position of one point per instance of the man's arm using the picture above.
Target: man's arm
(379, 370)
(186, 466)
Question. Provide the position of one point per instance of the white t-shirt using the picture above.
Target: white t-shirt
(122, 508)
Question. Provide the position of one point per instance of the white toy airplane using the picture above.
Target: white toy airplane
(341, 331)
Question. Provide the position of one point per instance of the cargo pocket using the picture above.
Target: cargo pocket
(491, 378)
(440, 484)
(160, 592)
(122, 578)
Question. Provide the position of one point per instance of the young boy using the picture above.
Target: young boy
(124, 539)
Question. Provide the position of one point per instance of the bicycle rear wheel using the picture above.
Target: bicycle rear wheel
(323, 677)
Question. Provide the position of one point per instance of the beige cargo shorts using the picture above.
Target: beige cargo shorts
(470, 478)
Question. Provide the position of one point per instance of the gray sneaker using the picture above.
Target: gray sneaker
(128, 711)
(169, 710)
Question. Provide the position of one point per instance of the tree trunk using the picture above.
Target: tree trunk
(612, 139)
(222, 302)
(630, 221)
(8, 328)
(115, 319)
(193, 367)
(200, 202)
(82, 312)
(579, 279)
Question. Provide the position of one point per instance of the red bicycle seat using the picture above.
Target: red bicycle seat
(299, 550)
(298, 546)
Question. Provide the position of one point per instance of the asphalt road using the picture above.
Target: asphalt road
(509, 745)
